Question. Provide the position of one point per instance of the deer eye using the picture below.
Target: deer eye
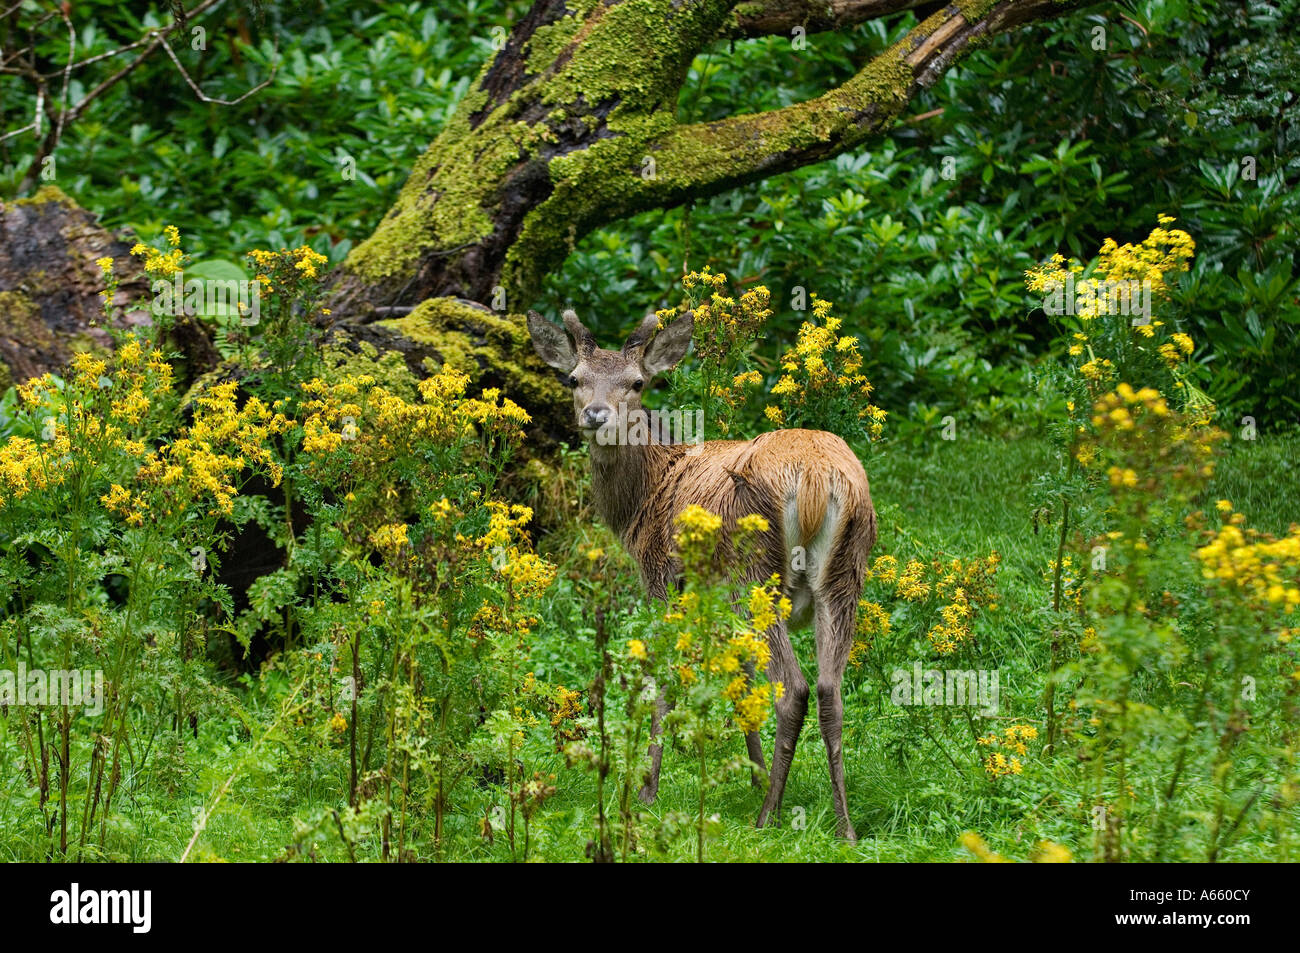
(572, 381)
(638, 384)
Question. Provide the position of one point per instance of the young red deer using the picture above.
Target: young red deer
(808, 484)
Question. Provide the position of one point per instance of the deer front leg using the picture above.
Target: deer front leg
(791, 708)
(754, 741)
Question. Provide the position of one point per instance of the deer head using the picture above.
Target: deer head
(603, 381)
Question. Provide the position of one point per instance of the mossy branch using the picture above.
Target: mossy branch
(756, 18)
(573, 126)
(704, 158)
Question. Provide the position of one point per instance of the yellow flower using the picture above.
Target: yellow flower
(390, 538)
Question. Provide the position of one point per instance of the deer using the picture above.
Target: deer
(808, 484)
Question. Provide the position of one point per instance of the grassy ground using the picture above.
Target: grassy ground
(911, 795)
(907, 800)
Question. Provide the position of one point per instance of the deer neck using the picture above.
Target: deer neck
(623, 477)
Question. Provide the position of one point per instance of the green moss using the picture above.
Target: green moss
(974, 10)
(634, 54)
(20, 322)
(483, 344)
(342, 358)
(548, 42)
(47, 193)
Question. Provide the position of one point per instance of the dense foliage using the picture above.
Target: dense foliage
(1080, 527)
(1039, 143)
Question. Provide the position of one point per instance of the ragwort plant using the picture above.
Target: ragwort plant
(1170, 637)
(110, 533)
(447, 579)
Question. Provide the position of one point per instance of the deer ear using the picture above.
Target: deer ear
(583, 338)
(551, 343)
(669, 346)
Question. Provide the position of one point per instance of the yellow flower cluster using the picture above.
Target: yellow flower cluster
(378, 424)
(825, 366)
(873, 620)
(104, 400)
(1102, 352)
(964, 585)
(704, 278)
(1266, 569)
(697, 533)
(1178, 348)
(390, 539)
(159, 264)
(26, 465)
(767, 606)
(1162, 253)
(723, 325)
(285, 267)
(884, 570)
(203, 461)
(565, 706)
(527, 574)
(490, 617)
(954, 626)
(911, 584)
(1008, 749)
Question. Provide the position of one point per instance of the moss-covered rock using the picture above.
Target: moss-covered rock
(50, 284)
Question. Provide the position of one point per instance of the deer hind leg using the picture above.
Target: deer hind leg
(835, 621)
(791, 708)
(650, 790)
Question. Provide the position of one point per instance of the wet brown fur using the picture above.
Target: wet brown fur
(808, 484)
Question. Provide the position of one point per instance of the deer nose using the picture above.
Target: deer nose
(595, 416)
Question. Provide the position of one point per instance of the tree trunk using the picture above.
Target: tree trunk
(573, 126)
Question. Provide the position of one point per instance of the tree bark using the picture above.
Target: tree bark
(573, 126)
(50, 302)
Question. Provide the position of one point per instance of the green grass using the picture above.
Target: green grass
(907, 800)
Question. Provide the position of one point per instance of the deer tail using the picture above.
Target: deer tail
(811, 499)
